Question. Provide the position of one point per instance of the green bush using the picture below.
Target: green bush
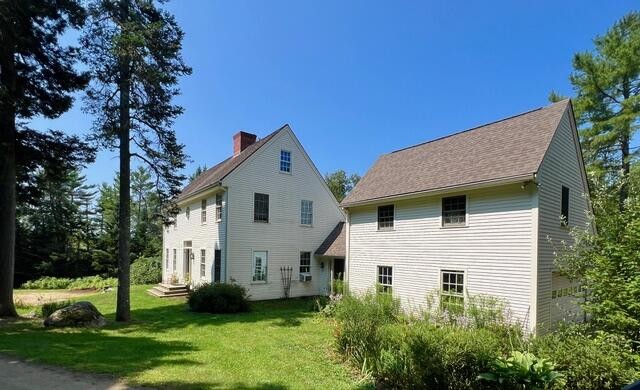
(219, 298)
(423, 355)
(87, 282)
(589, 360)
(146, 270)
(523, 370)
(48, 308)
(359, 325)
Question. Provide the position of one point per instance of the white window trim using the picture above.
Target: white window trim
(253, 267)
(306, 224)
(465, 282)
(386, 229)
(200, 262)
(290, 162)
(392, 275)
(203, 211)
(466, 212)
(216, 206)
(300, 252)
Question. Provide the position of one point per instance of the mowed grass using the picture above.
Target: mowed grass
(278, 345)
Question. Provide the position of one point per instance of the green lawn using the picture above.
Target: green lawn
(278, 345)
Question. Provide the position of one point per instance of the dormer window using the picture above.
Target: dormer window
(285, 161)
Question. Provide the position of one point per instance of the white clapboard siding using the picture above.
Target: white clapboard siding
(283, 237)
(494, 249)
(562, 166)
(209, 235)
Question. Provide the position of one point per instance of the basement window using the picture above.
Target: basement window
(385, 217)
(454, 211)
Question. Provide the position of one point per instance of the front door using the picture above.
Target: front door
(187, 265)
(217, 260)
(337, 276)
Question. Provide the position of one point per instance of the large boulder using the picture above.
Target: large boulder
(81, 313)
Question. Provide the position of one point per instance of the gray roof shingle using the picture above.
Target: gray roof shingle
(507, 148)
(213, 175)
(335, 243)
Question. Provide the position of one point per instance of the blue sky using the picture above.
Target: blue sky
(356, 79)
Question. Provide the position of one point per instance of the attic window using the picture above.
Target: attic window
(454, 211)
(564, 208)
(285, 161)
(385, 217)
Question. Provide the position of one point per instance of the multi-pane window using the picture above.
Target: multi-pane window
(203, 262)
(217, 260)
(203, 211)
(452, 294)
(385, 278)
(306, 212)
(454, 211)
(175, 259)
(564, 207)
(385, 217)
(305, 262)
(166, 259)
(260, 266)
(285, 161)
(187, 212)
(218, 207)
(261, 207)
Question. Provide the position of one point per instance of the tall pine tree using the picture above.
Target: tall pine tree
(36, 78)
(607, 82)
(133, 49)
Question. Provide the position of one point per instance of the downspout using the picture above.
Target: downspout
(347, 254)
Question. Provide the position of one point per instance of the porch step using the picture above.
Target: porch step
(164, 290)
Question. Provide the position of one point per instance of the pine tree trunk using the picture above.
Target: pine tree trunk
(7, 184)
(123, 306)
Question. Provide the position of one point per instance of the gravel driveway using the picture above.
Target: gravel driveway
(17, 374)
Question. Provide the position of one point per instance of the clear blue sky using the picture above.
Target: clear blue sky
(356, 79)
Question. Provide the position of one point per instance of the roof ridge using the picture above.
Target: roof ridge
(475, 127)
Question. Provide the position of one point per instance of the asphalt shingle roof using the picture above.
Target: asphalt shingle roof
(335, 243)
(504, 149)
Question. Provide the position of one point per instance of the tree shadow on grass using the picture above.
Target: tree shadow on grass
(283, 313)
(236, 385)
(92, 350)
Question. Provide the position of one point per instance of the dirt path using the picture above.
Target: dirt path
(16, 374)
(38, 297)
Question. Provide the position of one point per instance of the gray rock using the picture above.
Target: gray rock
(81, 313)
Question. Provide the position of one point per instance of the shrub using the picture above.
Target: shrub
(523, 370)
(359, 323)
(48, 308)
(589, 360)
(219, 298)
(423, 355)
(87, 282)
(146, 270)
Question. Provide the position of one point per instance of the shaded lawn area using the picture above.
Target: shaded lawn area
(278, 345)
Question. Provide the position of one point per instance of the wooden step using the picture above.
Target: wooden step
(165, 290)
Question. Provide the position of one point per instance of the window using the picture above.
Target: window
(217, 259)
(305, 262)
(218, 207)
(452, 295)
(306, 212)
(260, 266)
(203, 262)
(187, 212)
(175, 221)
(564, 208)
(203, 211)
(261, 208)
(454, 211)
(285, 161)
(385, 279)
(166, 259)
(385, 217)
(175, 259)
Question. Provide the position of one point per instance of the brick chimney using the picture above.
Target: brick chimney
(241, 141)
